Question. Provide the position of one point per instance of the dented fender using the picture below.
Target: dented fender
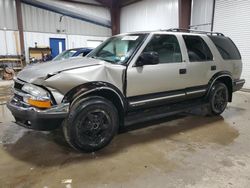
(63, 77)
(86, 78)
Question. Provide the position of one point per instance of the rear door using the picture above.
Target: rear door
(201, 65)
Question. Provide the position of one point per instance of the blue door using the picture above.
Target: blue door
(57, 46)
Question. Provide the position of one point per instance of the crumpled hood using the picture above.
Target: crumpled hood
(39, 71)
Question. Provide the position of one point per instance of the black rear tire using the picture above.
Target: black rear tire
(91, 124)
(218, 98)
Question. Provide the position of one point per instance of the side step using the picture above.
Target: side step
(141, 116)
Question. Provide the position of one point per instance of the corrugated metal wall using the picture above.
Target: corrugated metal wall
(40, 25)
(75, 41)
(150, 15)
(9, 39)
(9, 42)
(94, 11)
(201, 14)
(233, 19)
(40, 20)
(71, 41)
(8, 19)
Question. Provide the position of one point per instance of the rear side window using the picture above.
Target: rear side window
(226, 47)
(197, 49)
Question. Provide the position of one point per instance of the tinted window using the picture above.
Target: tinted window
(167, 46)
(197, 49)
(85, 53)
(81, 54)
(226, 47)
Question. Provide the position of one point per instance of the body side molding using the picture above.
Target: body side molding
(155, 99)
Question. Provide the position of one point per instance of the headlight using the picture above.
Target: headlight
(38, 97)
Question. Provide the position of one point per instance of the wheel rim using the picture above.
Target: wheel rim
(94, 128)
(220, 100)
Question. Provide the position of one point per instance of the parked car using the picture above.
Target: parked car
(129, 78)
(75, 52)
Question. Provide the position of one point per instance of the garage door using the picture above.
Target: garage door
(233, 19)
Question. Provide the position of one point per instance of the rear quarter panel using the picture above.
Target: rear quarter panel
(232, 66)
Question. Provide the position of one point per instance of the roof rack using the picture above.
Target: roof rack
(192, 31)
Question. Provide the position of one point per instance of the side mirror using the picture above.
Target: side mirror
(148, 58)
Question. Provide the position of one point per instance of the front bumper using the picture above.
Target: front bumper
(38, 119)
(238, 84)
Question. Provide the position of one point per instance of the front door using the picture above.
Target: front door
(57, 46)
(167, 76)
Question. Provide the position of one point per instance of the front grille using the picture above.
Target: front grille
(18, 97)
(18, 85)
(19, 101)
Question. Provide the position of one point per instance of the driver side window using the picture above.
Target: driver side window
(167, 47)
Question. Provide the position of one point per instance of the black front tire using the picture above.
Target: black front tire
(91, 124)
(218, 98)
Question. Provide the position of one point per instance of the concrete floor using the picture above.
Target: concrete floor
(180, 151)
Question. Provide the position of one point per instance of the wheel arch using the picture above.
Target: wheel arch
(224, 77)
(103, 89)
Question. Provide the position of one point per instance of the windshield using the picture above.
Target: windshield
(118, 49)
(65, 55)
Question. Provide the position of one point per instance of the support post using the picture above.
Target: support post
(115, 12)
(20, 27)
(212, 22)
(184, 13)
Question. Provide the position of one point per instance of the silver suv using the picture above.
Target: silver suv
(129, 78)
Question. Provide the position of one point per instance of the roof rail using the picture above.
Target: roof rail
(192, 31)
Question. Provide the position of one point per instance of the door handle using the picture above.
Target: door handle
(213, 67)
(182, 71)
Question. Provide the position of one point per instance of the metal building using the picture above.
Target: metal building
(77, 24)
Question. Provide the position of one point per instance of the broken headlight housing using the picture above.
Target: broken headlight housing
(37, 96)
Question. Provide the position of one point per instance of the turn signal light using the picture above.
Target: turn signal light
(39, 104)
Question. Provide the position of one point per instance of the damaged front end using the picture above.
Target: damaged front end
(33, 107)
(42, 92)
(38, 95)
